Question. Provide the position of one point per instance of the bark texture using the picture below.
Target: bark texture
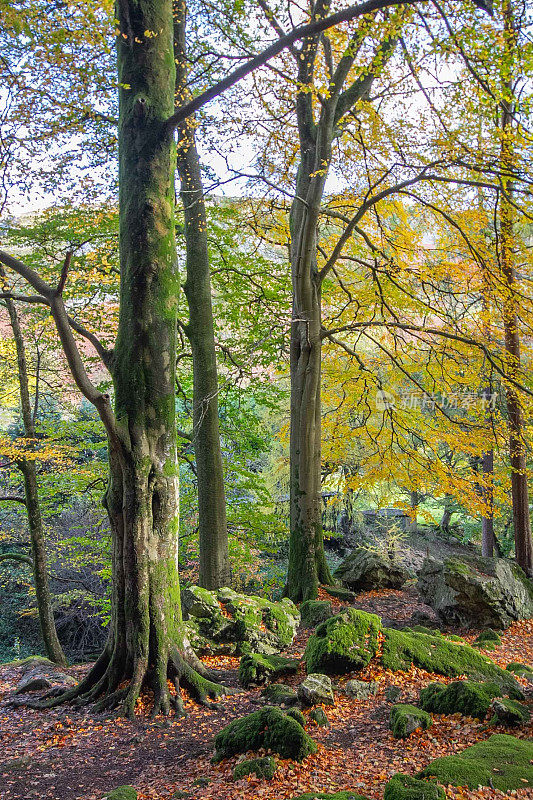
(215, 570)
(146, 647)
(317, 131)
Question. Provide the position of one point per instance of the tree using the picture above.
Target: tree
(510, 302)
(215, 569)
(28, 469)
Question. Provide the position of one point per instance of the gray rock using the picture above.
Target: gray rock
(316, 689)
(38, 679)
(476, 591)
(366, 569)
(360, 690)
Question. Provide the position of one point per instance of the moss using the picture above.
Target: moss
(405, 719)
(509, 712)
(313, 612)
(502, 762)
(262, 767)
(464, 697)
(280, 694)
(269, 728)
(489, 635)
(522, 670)
(256, 669)
(122, 793)
(405, 787)
(340, 593)
(437, 654)
(276, 620)
(348, 641)
(297, 715)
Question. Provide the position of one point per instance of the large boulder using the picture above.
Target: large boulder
(460, 697)
(502, 762)
(224, 622)
(476, 591)
(44, 676)
(366, 569)
(345, 643)
(403, 649)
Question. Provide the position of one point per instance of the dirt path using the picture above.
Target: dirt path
(69, 754)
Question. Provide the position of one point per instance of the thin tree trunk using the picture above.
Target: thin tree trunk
(215, 568)
(517, 451)
(28, 469)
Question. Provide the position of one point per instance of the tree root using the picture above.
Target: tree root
(109, 686)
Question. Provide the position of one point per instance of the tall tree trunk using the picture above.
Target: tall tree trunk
(307, 561)
(28, 469)
(517, 450)
(215, 568)
(147, 645)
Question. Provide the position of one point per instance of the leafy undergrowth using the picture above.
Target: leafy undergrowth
(71, 754)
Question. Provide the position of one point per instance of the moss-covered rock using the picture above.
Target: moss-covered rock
(405, 787)
(405, 719)
(463, 697)
(297, 715)
(269, 728)
(503, 762)
(509, 712)
(262, 767)
(313, 612)
(437, 654)
(522, 670)
(474, 591)
(348, 641)
(393, 694)
(280, 694)
(122, 793)
(365, 569)
(225, 622)
(319, 716)
(489, 635)
(340, 593)
(256, 669)
(316, 689)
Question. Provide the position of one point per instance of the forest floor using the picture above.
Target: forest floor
(71, 754)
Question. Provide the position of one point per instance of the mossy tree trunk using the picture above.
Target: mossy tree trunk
(215, 568)
(27, 467)
(147, 646)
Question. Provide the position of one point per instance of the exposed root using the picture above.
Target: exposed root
(110, 685)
